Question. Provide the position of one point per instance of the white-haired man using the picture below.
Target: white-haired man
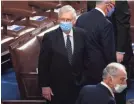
(61, 60)
(114, 81)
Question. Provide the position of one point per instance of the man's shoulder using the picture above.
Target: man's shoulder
(88, 13)
(90, 90)
(99, 88)
(51, 33)
(87, 88)
(83, 15)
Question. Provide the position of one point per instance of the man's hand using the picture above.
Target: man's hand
(119, 57)
(47, 92)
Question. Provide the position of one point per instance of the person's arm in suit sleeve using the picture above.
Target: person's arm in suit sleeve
(122, 17)
(79, 23)
(44, 62)
(44, 67)
(108, 43)
(85, 58)
(85, 38)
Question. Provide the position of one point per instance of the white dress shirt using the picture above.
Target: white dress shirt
(104, 84)
(71, 39)
(100, 11)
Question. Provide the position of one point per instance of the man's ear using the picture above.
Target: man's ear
(110, 80)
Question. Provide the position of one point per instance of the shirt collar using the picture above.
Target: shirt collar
(70, 34)
(100, 11)
(103, 83)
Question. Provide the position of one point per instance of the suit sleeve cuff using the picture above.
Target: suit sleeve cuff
(121, 52)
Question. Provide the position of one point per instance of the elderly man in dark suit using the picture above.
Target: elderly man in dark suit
(114, 80)
(120, 19)
(100, 40)
(61, 60)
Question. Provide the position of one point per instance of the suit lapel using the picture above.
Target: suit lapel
(61, 43)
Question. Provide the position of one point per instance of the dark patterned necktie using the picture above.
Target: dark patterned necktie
(69, 49)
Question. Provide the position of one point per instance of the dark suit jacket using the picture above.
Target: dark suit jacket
(54, 68)
(120, 20)
(100, 42)
(95, 94)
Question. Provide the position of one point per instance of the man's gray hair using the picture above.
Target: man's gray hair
(67, 8)
(112, 69)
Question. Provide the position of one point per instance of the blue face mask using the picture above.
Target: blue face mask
(66, 26)
(110, 12)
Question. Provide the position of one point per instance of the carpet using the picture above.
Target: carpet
(10, 91)
(9, 86)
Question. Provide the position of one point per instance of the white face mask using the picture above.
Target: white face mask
(119, 88)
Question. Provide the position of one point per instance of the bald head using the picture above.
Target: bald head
(104, 1)
(105, 5)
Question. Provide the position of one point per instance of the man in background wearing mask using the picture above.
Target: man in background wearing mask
(100, 40)
(61, 60)
(114, 81)
(120, 17)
